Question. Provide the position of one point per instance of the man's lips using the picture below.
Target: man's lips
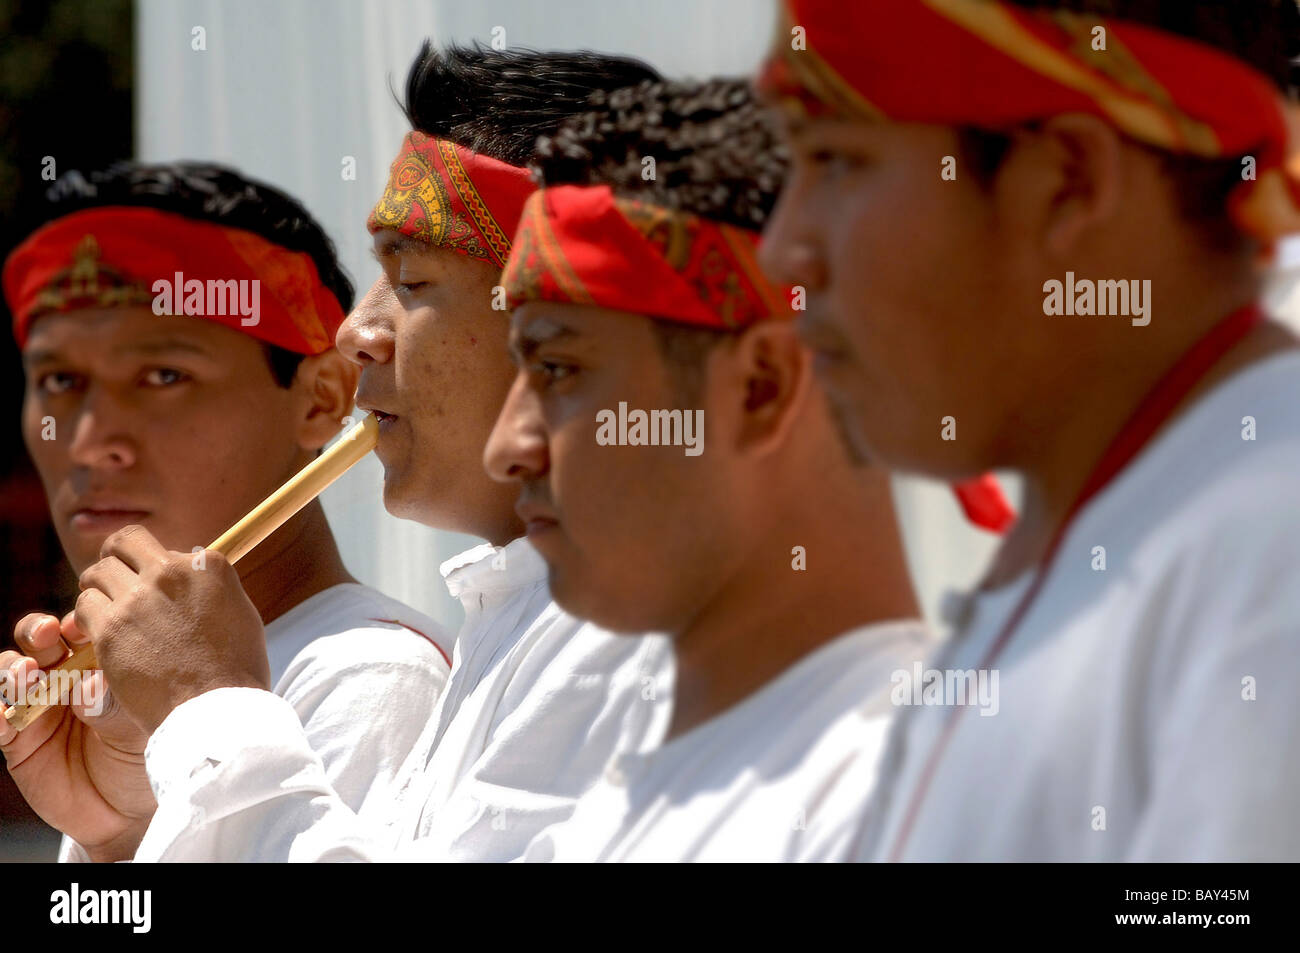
(99, 518)
(537, 519)
(384, 418)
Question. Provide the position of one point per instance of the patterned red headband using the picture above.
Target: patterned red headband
(446, 195)
(582, 245)
(116, 256)
(990, 64)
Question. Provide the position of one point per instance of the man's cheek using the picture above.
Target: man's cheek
(52, 466)
(34, 422)
(592, 484)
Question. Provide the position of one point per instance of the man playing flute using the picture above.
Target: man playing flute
(1051, 236)
(180, 415)
(538, 700)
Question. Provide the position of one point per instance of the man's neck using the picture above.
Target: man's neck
(296, 562)
(1055, 478)
(769, 614)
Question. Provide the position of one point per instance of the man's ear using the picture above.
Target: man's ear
(771, 375)
(1064, 180)
(327, 383)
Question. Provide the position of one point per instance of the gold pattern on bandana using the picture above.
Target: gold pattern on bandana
(415, 185)
(819, 84)
(695, 254)
(88, 283)
(1118, 64)
(478, 210)
(417, 202)
(670, 233)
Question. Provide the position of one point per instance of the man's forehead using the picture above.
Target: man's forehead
(387, 241)
(587, 328)
(124, 329)
(547, 320)
(795, 125)
(450, 262)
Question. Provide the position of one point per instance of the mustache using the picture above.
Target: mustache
(535, 492)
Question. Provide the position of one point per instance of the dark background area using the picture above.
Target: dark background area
(66, 70)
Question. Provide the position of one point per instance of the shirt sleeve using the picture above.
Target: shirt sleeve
(315, 775)
(237, 780)
(1224, 749)
(365, 699)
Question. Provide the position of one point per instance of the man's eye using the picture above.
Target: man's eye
(833, 162)
(411, 287)
(58, 382)
(551, 372)
(164, 377)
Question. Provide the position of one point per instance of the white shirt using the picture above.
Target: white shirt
(533, 712)
(781, 776)
(1148, 711)
(337, 658)
(536, 705)
(334, 658)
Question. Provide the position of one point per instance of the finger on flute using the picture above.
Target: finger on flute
(236, 542)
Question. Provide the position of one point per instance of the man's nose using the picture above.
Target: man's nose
(366, 336)
(790, 252)
(516, 448)
(101, 437)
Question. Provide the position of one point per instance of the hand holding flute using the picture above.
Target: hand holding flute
(233, 545)
(165, 632)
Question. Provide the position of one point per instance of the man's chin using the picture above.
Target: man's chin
(82, 543)
(404, 500)
(592, 602)
(396, 496)
(574, 597)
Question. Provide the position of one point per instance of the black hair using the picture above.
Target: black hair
(497, 102)
(212, 193)
(716, 154)
(1262, 33)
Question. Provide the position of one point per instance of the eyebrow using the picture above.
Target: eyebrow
(524, 344)
(42, 355)
(788, 122)
(392, 245)
(165, 346)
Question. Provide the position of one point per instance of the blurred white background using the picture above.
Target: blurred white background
(285, 91)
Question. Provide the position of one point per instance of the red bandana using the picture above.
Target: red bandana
(993, 65)
(581, 245)
(116, 255)
(445, 195)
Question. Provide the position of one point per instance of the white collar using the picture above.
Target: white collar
(488, 568)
